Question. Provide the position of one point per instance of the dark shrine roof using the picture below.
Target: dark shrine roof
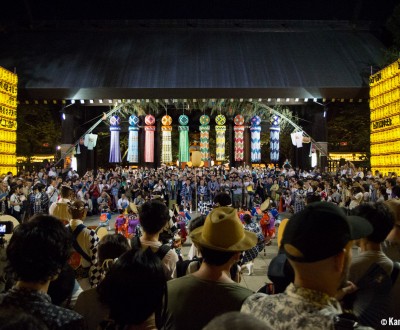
(201, 59)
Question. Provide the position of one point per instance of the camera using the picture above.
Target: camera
(6, 227)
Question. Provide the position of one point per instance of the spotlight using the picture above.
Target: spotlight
(82, 101)
(72, 101)
(100, 101)
(306, 99)
(91, 101)
(296, 99)
(63, 116)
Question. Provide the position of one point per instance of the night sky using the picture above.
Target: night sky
(25, 11)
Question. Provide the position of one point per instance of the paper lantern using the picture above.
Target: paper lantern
(196, 158)
(255, 121)
(115, 152)
(166, 120)
(183, 120)
(204, 120)
(149, 120)
(133, 139)
(220, 120)
(239, 120)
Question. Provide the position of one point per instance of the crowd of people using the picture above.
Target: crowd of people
(141, 283)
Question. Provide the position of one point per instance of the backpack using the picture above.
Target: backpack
(183, 265)
(77, 254)
(161, 252)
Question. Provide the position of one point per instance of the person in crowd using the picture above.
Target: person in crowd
(39, 200)
(316, 240)
(104, 201)
(212, 282)
(153, 216)
(88, 203)
(85, 241)
(59, 209)
(374, 302)
(88, 304)
(236, 321)
(95, 192)
(36, 253)
(52, 191)
(391, 244)
(16, 202)
(122, 204)
(299, 197)
(134, 290)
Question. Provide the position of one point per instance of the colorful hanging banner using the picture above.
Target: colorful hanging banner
(274, 138)
(255, 131)
(239, 139)
(184, 155)
(133, 141)
(149, 120)
(220, 137)
(166, 151)
(115, 152)
(204, 137)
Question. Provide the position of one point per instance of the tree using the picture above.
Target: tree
(38, 131)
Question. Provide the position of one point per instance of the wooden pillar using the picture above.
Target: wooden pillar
(157, 144)
(247, 145)
(142, 136)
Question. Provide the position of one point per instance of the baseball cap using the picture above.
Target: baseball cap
(321, 231)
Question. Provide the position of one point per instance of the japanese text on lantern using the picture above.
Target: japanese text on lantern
(8, 121)
(385, 119)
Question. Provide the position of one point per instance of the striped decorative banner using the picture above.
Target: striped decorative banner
(255, 131)
(166, 145)
(239, 151)
(184, 155)
(133, 140)
(274, 138)
(220, 142)
(205, 142)
(115, 151)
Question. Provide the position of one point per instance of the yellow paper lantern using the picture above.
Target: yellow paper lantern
(189, 164)
(196, 158)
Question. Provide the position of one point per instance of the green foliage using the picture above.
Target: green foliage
(38, 131)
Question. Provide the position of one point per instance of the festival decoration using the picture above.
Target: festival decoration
(274, 138)
(204, 137)
(166, 151)
(149, 120)
(255, 131)
(220, 137)
(184, 155)
(8, 121)
(115, 152)
(239, 130)
(133, 140)
(385, 120)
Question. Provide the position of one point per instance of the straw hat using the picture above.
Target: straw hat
(223, 231)
(133, 208)
(264, 206)
(101, 232)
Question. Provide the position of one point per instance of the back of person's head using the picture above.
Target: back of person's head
(214, 257)
(222, 199)
(379, 216)
(134, 288)
(65, 191)
(77, 209)
(61, 289)
(236, 321)
(396, 191)
(247, 219)
(110, 247)
(12, 318)
(38, 249)
(196, 222)
(153, 216)
(313, 197)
